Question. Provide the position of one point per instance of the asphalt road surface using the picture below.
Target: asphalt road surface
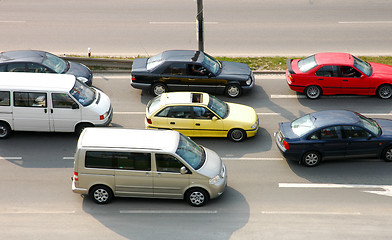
(232, 27)
(267, 197)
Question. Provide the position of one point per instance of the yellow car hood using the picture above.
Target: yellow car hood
(239, 113)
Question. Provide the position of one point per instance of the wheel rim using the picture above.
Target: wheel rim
(196, 198)
(385, 92)
(3, 131)
(159, 89)
(233, 91)
(311, 159)
(388, 155)
(237, 135)
(313, 92)
(101, 195)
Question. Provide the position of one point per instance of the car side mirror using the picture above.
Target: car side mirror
(75, 106)
(214, 118)
(183, 170)
(362, 76)
(210, 75)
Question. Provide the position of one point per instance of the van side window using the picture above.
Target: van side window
(168, 163)
(133, 161)
(95, 159)
(4, 98)
(29, 99)
(62, 100)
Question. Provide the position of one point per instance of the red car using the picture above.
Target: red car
(338, 73)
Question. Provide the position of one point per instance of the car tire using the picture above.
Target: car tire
(236, 135)
(197, 197)
(387, 154)
(313, 92)
(81, 126)
(101, 194)
(5, 130)
(158, 88)
(233, 90)
(384, 91)
(311, 159)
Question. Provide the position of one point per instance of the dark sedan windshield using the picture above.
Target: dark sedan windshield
(371, 125)
(55, 63)
(211, 64)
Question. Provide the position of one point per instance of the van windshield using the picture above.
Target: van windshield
(82, 93)
(192, 153)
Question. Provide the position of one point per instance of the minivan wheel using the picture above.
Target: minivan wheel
(233, 90)
(101, 194)
(237, 135)
(311, 159)
(158, 88)
(387, 154)
(197, 197)
(313, 92)
(5, 130)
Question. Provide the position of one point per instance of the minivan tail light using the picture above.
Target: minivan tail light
(148, 121)
(286, 145)
(76, 176)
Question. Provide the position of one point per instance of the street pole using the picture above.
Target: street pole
(199, 21)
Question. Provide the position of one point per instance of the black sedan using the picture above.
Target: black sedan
(183, 70)
(42, 62)
(334, 134)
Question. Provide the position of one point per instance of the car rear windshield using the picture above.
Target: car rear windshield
(191, 152)
(303, 125)
(154, 104)
(307, 63)
(154, 61)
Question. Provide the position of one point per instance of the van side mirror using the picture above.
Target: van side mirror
(75, 106)
(183, 170)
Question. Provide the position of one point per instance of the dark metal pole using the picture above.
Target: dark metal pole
(200, 23)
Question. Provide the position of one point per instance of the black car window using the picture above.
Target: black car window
(3, 68)
(29, 99)
(168, 163)
(37, 68)
(355, 132)
(4, 98)
(202, 113)
(62, 100)
(176, 69)
(164, 112)
(180, 112)
(328, 71)
(329, 133)
(347, 71)
(197, 70)
(16, 67)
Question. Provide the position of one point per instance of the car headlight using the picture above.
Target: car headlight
(249, 81)
(82, 79)
(216, 179)
(254, 125)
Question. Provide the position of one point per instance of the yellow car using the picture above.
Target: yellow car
(198, 114)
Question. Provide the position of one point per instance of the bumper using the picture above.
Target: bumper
(252, 132)
(78, 190)
(141, 85)
(108, 120)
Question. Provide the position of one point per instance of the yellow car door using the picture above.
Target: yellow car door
(177, 118)
(207, 124)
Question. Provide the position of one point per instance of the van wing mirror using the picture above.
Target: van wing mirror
(183, 170)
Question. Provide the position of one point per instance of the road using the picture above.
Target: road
(267, 197)
(232, 27)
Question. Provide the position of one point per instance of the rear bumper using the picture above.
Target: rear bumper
(78, 190)
(141, 85)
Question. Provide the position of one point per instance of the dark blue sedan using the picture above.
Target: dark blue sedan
(334, 134)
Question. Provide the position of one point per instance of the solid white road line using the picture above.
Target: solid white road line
(167, 212)
(251, 159)
(68, 158)
(310, 213)
(12, 158)
(366, 22)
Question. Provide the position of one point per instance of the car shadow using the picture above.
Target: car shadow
(137, 218)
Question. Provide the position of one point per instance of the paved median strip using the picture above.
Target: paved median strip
(309, 213)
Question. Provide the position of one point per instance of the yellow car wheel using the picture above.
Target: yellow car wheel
(236, 135)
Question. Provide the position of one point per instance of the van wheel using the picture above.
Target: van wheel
(101, 194)
(5, 130)
(237, 135)
(79, 128)
(197, 197)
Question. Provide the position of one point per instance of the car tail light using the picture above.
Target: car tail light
(101, 117)
(76, 176)
(133, 78)
(148, 121)
(286, 145)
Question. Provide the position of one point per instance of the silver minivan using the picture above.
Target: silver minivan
(146, 163)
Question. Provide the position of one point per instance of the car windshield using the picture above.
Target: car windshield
(363, 66)
(55, 63)
(307, 63)
(192, 153)
(218, 106)
(370, 124)
(154, 104)
(211, 64)
(154, 61)
(84, 94)
(303, 125)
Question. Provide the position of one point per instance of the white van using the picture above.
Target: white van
(146, 163)
(50, 103)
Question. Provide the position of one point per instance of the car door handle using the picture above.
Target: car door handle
(191, 79)
(345, 80)
(197, 124)
(322, 79)
(172, 123)
(165, 78)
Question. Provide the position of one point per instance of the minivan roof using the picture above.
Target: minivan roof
(36, 81)
(141, 139)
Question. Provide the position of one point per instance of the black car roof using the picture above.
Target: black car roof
(182, 55)
(334, 117)
(22, 55)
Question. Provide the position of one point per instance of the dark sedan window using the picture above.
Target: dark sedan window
(176, 69)
(16, 67)
(37, 68)
(355, 132)
(325, 133)
(328, 71)
(3, 68)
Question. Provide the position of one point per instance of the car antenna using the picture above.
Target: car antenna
(148, 55)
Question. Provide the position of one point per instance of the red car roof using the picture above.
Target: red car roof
(334, 58)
